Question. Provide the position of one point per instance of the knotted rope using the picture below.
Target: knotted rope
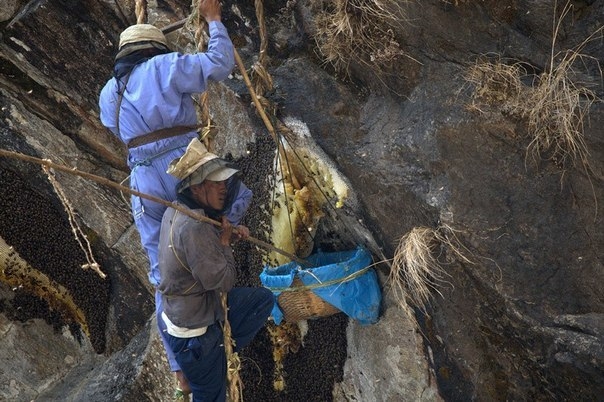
(207, 133)
(262, 79)
(235, 385)
(78, 233)
(140, 9)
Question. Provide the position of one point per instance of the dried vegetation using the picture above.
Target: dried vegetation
(554, 106)
(417, 269)
(359, 31)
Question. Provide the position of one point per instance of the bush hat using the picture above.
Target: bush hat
(198, 164)
(140, 36)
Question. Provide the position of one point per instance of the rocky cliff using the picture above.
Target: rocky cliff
(478, 120)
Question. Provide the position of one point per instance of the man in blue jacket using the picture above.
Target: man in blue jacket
(148, 104)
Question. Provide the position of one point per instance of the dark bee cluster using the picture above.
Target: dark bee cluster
(312, 371)
(39, 231)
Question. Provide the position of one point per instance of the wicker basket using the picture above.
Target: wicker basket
(299, 305)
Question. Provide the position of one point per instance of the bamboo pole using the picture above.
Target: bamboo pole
(179, 24)
(264, 117)
(106, 182)
(174, 26)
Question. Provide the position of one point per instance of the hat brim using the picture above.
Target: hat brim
(221, 174)
(214, 170)
(133, 47)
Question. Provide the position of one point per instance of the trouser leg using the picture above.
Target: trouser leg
(148, 228)
(203, 361)
(249, 309)
(148, 223)
(161, 326)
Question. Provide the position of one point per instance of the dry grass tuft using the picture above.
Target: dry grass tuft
(557, 106)
(359, 30)
(496, 82)
(554, 107)
(416, 272)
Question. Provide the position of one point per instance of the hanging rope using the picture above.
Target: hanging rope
(286, 172)
(260, 83)
(78, 233)
(235, 385)
(235, 388)
(265, 118)
(140, 9)
(207, 133)
(262, 79)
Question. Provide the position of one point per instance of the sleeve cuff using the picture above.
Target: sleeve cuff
(214, 26)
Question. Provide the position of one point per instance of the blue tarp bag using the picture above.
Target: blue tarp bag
(343, 279)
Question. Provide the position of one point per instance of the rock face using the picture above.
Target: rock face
(399, 114)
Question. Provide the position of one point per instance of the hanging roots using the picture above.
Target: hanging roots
(415, 271)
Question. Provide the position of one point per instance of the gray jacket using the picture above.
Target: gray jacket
(194, 269)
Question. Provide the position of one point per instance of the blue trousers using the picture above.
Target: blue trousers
(202, 359)
(149, 176)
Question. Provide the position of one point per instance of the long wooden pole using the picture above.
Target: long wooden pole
(179, 24)
(265, 118)
(106, 182)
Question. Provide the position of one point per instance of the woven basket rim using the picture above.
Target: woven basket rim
(303, 305)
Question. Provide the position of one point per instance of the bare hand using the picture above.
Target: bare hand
(242, 232)
(227, 231)
(210, 10)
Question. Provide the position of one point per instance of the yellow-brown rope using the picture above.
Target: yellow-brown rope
(265, 118)
(235, 385)
(140, 9)
(78, 233)
(261, 78)
(201, 39)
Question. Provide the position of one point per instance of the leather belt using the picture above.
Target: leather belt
(160, 135)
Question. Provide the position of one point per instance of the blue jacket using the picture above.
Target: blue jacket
(158, 91)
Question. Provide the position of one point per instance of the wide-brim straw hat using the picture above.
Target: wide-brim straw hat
(198, 164)
(140, 36)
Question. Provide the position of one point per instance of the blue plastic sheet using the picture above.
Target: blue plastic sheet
(343, 279)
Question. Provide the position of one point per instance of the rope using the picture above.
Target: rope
(235, 385)
(235, 388)
(78, 233)
(140, 9)
(201, 39)
(263, 80)
(321, 284)
(264, 117)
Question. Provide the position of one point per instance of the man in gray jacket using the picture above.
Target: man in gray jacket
(196, 265)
